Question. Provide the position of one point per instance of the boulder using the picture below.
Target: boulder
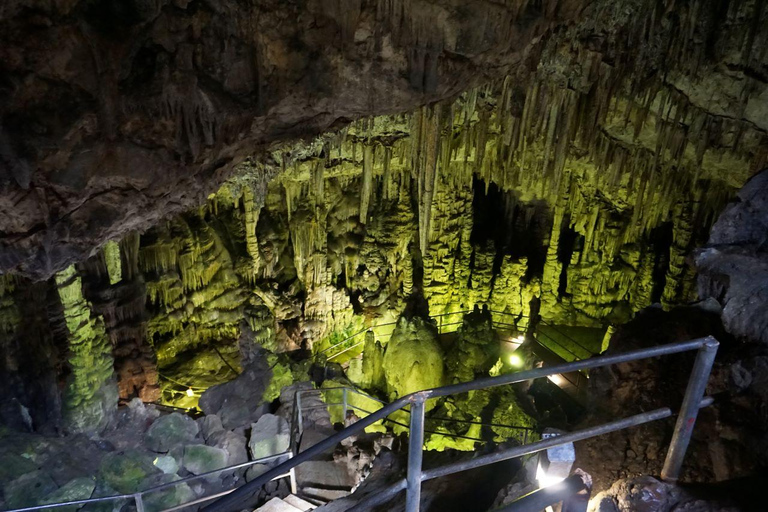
(239, 401)
(255, 471)
(269, 436)
(199, 459)
(77, 489)
(167, 464)
(170, 430)
(103, 490)
(166, 498)
(233, 443)
(208, 425)
(28, 490)
(125, 471)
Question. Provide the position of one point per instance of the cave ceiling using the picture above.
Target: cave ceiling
(116, 115)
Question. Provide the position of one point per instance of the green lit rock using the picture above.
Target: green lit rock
(444, 439)
(29, 490)
(91, 393)
(357, 403)
(476, 348)
(510, 414)
(269, 436)
(281, 377)
(125, 471)
(413, 360)
(169, 431)
(199, 459)
(373, 363)
(156, 501)
(76, 489)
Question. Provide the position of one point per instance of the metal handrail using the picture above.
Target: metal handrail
(139, 495)
(693, 400)
(346, 406)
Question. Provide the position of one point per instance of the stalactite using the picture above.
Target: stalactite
(367, 185)
(251, 220)
(427, 172)
(114, 264)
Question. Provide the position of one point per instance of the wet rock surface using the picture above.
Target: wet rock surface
(647, 494)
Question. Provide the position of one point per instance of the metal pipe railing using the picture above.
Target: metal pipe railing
(138, 497)
(691, 404)
(529, 449)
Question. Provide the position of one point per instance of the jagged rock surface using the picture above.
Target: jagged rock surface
(733, 266)
(116, 114)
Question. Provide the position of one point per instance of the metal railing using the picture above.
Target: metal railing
(139, 497)
(525, 433)
(692, 402)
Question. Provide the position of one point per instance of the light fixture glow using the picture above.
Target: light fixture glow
(544, 479)
(190, 392)
(515, 360)
(557, 379)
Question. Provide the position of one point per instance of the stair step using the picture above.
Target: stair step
(324, 494)
(278, 505)
(325, 474)
(299, 503)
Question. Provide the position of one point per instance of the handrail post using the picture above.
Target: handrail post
(689, 410)
(299, 419)
(139, 502)
(292, 476)
(415, 454)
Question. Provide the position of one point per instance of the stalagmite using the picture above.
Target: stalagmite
(90, 392)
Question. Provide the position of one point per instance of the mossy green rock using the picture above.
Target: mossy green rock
(169, 431)
(124, 471)
(199, 459)
(413, 360)
(166, 498)
(76, 489)
(12, 465)
(476, 348)
(28, 490)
